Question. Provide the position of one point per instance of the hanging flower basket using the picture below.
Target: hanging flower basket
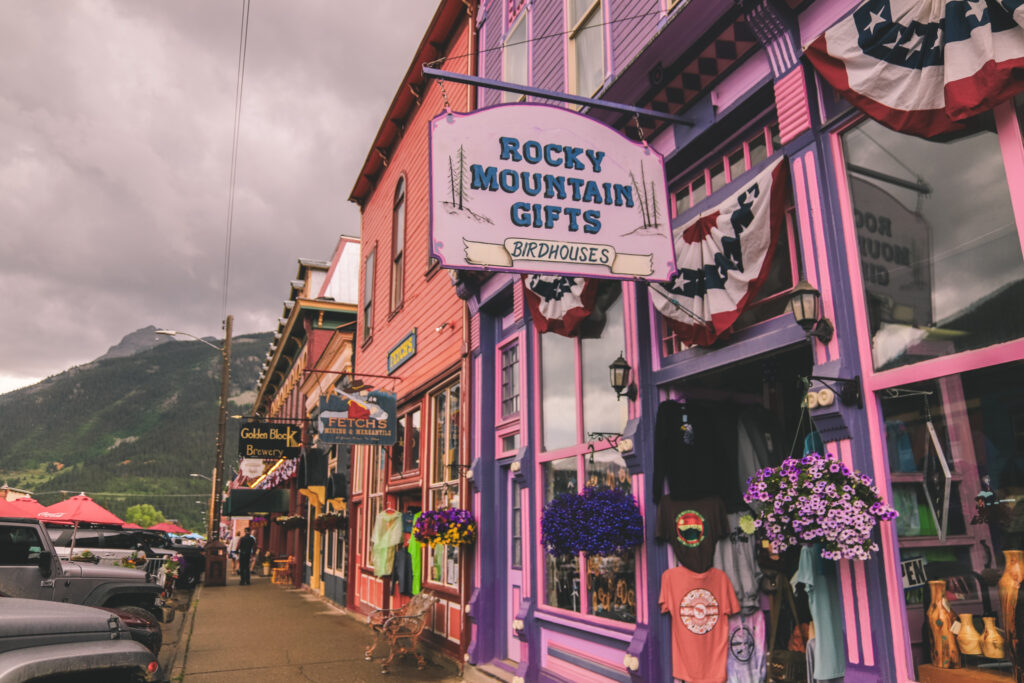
(450, 526)
(600, 521)
(817, 499)
(291, 521)
(257, 522)
(329, 521)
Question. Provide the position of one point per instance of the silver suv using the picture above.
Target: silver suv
(39, 640)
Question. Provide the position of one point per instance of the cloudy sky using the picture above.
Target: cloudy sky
(116, 124)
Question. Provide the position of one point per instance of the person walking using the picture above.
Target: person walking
(233, 551)
(246, 547)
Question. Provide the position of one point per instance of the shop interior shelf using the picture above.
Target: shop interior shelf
(931, 541)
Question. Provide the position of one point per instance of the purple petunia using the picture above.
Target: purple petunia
(818, 499)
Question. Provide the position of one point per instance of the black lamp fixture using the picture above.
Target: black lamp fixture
(805, 303)
(621, 378)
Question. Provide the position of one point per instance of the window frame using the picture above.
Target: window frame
(521, 20)
(572, 33)
(1011, 138)
(399, 234)
(408, 450)
(580, 452)
(448, 490)
(366, 308)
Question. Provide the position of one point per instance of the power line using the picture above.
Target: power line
(243, 40)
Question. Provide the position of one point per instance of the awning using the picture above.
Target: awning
(248, 502)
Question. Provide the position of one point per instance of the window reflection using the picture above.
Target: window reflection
(939, 248)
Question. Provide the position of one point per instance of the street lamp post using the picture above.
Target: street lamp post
(213, 528)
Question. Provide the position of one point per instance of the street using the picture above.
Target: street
(266, 632)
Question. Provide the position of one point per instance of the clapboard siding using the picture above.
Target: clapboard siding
(549, 52)
(428, 302)
(630, 35)
(494, 29)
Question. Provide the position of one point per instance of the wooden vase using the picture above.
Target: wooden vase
(992, 640)
(968, 639)
(945, 653)
(1009, 586)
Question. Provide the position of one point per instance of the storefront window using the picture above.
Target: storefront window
(577, 403)
(516, 57)
(955, 527)
(940, 251)
(510, 381)
(517, 524)
(562, 573)
(443, 560)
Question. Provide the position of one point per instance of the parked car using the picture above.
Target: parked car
(111, 545)
(31, 568)
(49, 640)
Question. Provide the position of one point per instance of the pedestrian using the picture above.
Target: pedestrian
(233, 551)
(246, 548)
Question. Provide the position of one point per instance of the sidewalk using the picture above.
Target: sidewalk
(265, 632)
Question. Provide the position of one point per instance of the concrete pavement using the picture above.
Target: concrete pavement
(265, 632)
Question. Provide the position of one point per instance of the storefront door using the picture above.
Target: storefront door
(514, 565)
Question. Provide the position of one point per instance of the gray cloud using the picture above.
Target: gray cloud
(116, 125)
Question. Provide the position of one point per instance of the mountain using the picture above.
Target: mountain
(130, 429)
(139, 340)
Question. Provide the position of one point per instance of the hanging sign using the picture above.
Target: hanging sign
(533, 188)
(403, 351)
(358, 418)
(724, 256)
(266, 441)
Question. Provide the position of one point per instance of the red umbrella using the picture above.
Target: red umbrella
(132, 525)
(80, 508)
(30, 506)
(9, 509)
(169, 528)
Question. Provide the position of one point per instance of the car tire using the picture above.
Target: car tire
(148, 617)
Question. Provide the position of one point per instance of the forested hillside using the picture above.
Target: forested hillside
(135, 426)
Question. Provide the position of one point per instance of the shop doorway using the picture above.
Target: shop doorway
(513, 493)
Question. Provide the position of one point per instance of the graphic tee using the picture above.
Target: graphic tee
(747, 639)
(692, 527)
(386, 535)
(699, 605)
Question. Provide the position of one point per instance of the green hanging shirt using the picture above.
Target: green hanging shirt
(387, 534)
(415, 550)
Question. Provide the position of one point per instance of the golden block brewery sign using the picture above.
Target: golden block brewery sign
(358, 418)
(266, 440)
(533, 188)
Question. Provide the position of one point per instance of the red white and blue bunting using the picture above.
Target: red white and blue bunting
(285, 472)
(923, 66)
(559, 303)
(723, 258)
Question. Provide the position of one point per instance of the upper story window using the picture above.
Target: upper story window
(368, 296)
(516, 57)
(783, 273)
(510, 380)
(586, 46)
(939, 242)
(398, 246)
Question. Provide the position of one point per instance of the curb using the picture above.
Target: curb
(176, 671)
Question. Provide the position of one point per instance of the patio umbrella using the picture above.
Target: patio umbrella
(80, 508)
(169, 528)
(132, 525)
(30, 506)
(9, 509)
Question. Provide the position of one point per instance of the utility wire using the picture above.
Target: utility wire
(240, 80)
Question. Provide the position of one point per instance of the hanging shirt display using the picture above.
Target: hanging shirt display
(819, 579)
(692, 527)
(699, 605)
(415, 554)
(386, 535)
(736, 556)
(747, 657)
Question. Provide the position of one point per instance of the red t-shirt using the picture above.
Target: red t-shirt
(700, 605)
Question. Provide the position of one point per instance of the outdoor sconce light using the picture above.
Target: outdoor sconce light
(805, 303)
(621, 378)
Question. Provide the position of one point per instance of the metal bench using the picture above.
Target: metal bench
(401, 628)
